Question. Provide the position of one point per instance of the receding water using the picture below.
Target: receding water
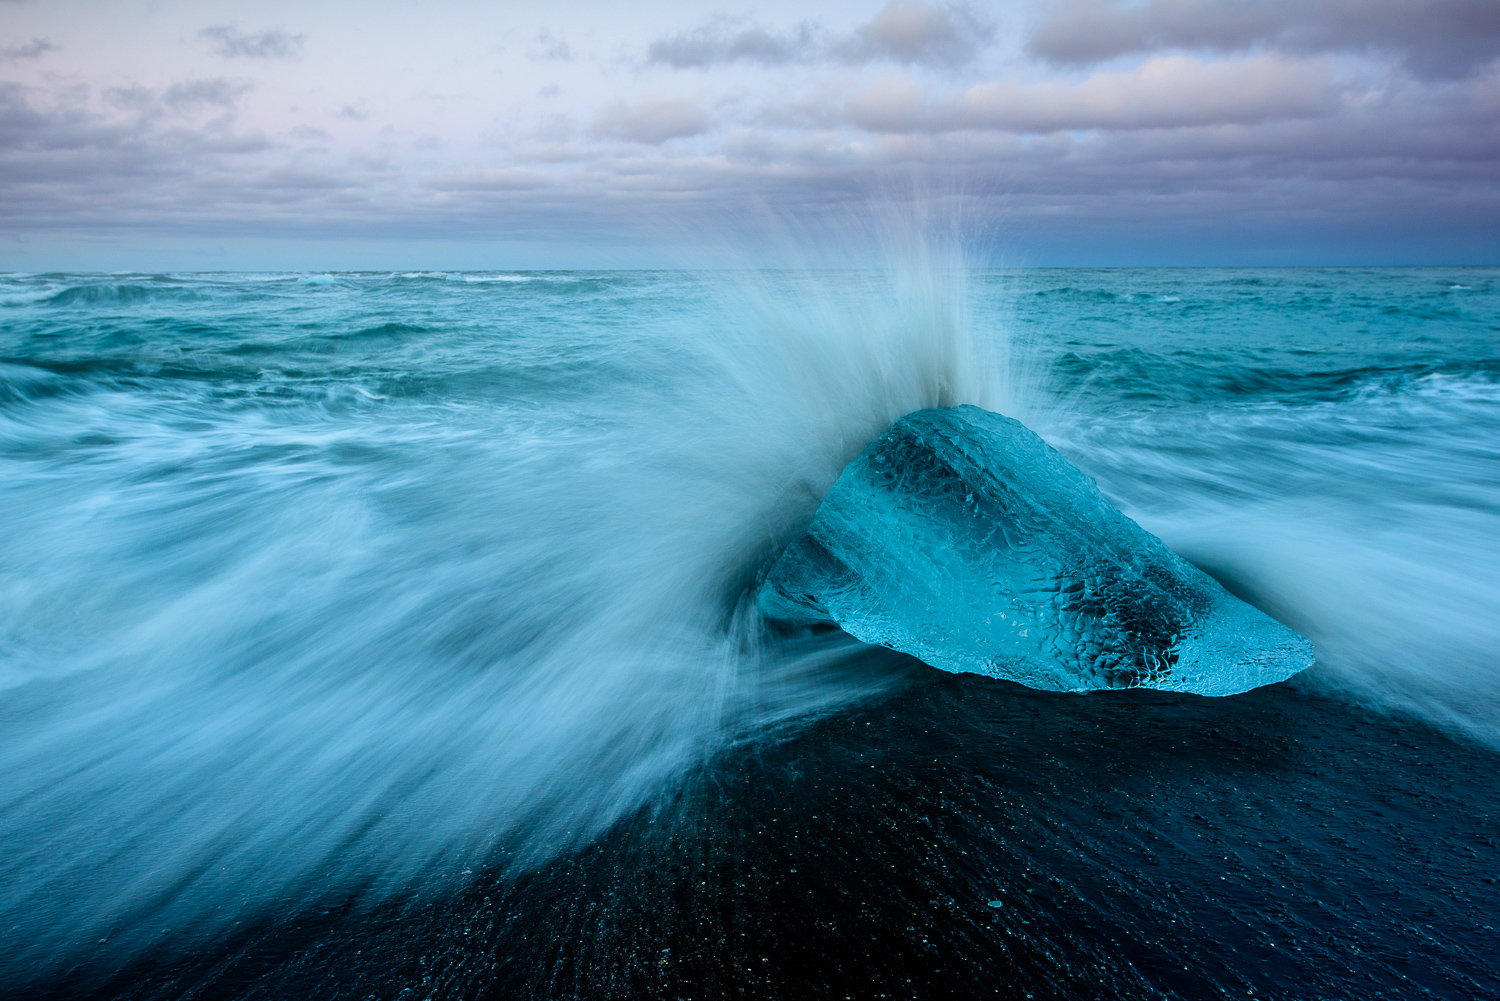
(340, 611)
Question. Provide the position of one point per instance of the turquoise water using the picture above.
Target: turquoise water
(353, 586)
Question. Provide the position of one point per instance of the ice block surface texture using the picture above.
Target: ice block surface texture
(962, 538)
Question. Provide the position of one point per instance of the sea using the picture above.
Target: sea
(392, 635)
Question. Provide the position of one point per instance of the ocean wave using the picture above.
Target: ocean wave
(1144, 376)
(393, 634)
(20, 383)
(28, 296)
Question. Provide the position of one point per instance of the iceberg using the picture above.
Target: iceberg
(962, 538)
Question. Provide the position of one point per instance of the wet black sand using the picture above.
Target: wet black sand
(960, 837)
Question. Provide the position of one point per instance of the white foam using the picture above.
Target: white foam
(287, 652)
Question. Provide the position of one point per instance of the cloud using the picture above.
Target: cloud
(179, 98)
(552, 49)
(487, 180)
(1167, 92)
(917, 33)
(29, 50)
(194, 93)
(730, 40)
(231, 43)
(902, 32)
(1436, 39)
(56, 153)
(651, 119)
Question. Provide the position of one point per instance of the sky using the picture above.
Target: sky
(206, 134)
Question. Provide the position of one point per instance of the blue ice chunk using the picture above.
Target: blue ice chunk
(963, 539)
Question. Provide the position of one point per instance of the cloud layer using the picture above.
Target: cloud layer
(1440, 39)
(1328, 128)
(650, 119)
(33, 49)
(1165, 93)
(231, 43)
(900, 32)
